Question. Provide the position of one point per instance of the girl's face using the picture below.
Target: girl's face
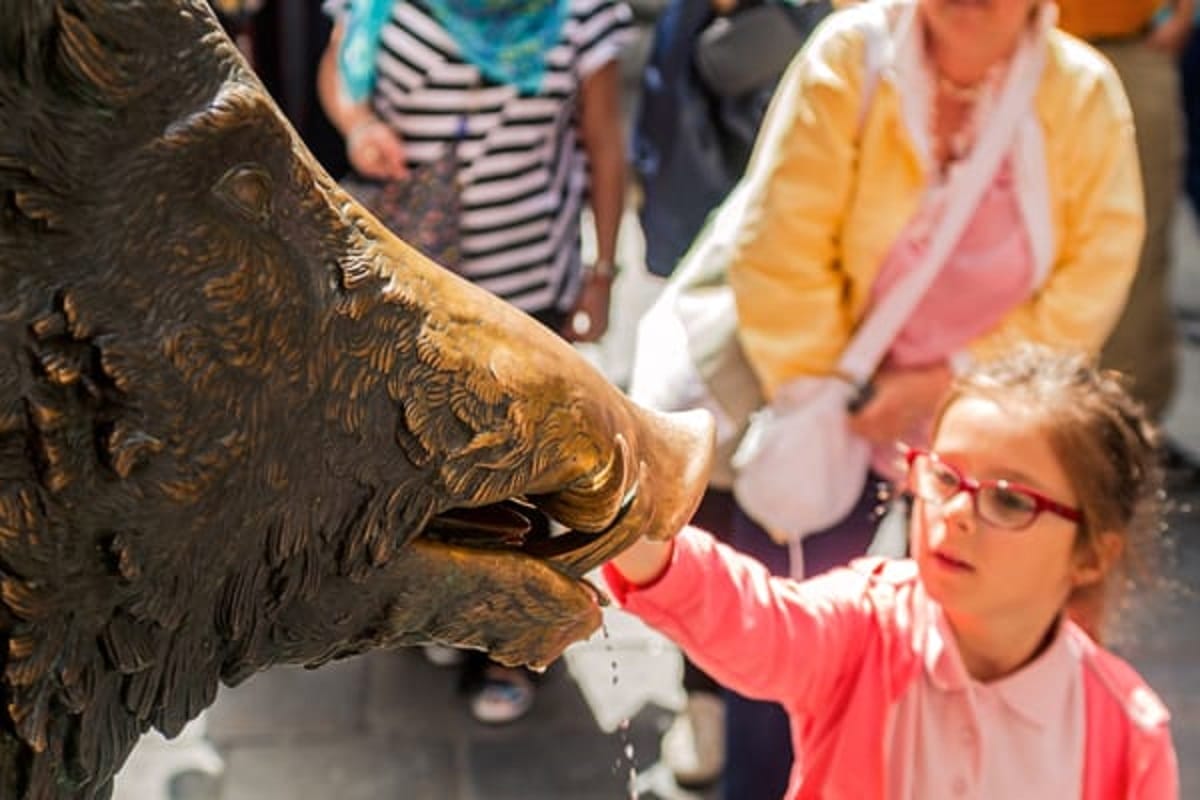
(990, 28)
(975, 569)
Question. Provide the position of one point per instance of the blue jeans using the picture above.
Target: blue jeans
(758, 743)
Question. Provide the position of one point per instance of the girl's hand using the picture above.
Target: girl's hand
(644, 560)
(588, 320)
(375, 151)
(903, 398)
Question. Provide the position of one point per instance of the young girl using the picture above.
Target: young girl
(957, 673)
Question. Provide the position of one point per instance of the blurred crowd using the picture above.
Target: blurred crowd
(793, 165)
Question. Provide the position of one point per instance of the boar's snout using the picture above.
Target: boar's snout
(543, 470)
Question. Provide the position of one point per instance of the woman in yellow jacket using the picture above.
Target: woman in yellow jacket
(844, 187)
(827, 202)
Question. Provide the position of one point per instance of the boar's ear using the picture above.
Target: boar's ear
(100, 53)
(65, 50)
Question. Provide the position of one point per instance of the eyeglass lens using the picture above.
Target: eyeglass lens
(999, 505)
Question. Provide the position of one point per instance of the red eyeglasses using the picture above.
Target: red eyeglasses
(1000, 503)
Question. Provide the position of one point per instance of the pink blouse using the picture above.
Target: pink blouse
(988, 274)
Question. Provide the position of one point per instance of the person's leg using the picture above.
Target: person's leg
(693, 747)
(1189, 74)
(850, 538)
(1144, 343)
(715, 515)
(758, 741)
(758, 751)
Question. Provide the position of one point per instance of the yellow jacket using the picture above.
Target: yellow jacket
(810, 235)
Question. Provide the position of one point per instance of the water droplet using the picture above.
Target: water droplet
(627, 750)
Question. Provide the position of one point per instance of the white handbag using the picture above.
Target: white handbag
(798, 468)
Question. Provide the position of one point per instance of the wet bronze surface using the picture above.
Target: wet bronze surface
(241, 425)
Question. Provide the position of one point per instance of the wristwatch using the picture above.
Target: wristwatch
(601, 268)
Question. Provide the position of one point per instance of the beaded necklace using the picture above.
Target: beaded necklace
(960, 140)
(956, 91)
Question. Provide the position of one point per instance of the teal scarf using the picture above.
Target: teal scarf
(506, 40)
(360, 45)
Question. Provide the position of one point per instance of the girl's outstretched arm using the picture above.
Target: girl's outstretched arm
(765, 636)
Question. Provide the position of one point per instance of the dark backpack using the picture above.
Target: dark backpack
(691, 143)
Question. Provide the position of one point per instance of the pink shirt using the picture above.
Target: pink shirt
(846, 653)
(951, 737)
(989, 273)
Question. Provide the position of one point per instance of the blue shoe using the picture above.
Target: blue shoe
(505, 695)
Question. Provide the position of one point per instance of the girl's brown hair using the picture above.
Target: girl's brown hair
(1106, 445)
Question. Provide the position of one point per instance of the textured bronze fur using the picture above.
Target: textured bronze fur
(241, 425)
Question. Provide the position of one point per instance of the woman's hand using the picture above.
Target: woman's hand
(588, 320)
(902, 399)
(375, 151)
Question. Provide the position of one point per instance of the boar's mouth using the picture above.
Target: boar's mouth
(512, 576)
(520, 525)
(574, 530)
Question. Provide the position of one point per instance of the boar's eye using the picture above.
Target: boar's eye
(247, 188)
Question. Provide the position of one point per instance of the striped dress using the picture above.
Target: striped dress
(524, 170)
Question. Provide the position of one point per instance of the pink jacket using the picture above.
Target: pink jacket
(839, 650)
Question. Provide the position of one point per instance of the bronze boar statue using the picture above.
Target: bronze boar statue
(242, 425)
